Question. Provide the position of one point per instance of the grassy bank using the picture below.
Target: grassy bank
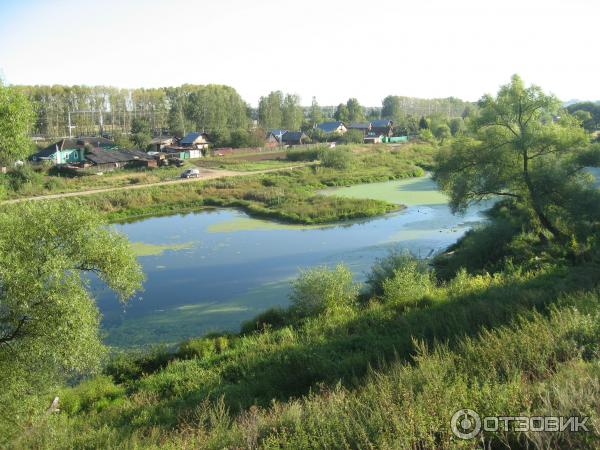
(289, 196)
(386, 370)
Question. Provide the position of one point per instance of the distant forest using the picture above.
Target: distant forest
(92, 110)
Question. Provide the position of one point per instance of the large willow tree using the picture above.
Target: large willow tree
(49, 322)
(519, 148)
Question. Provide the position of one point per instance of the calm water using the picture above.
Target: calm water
(210, 270)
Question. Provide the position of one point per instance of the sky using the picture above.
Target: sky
(330, 49)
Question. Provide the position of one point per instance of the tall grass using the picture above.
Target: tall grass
(388, 373)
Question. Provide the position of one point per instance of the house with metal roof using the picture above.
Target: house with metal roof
(195, 140)
(364, 127)
(69, 151)
(382, 127)
(294, 138)
(114, 159)
(275, 135)
(332, 127)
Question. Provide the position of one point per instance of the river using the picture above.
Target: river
(210, 270)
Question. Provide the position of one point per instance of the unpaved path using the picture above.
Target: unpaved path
(205, 174)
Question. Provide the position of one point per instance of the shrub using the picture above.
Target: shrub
(92, 394)
(384, 268)
(271, 318)
(203, 347)
(353, 137)
(410, 282)
(336, 158)
(320, 289)
(304, 154)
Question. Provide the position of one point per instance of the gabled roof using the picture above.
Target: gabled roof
(99, 156)
(162, 140)
(190, 138)
(293, 136)
(382, 123)
(65, 144)
(329, 127)
(277, 134)
(359, 126)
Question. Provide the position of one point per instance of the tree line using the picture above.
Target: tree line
(91, 110)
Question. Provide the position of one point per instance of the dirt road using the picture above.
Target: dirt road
(205, 174)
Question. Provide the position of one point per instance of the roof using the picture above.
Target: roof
(65, 144)
(293, 136)
(329, 127)
(162, 140)
(99, 156)
(190, 138)
(382, 123)
(277, 134)
(359, 126)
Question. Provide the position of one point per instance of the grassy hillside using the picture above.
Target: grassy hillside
(340, 370)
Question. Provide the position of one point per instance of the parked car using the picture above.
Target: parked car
(178, 162)
(190, 173)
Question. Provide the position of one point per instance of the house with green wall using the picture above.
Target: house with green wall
(69, 151)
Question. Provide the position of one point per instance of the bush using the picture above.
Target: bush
(320, 289)
(353, 137)
(93, 394)
(304, 154)
(384, 268)
(411, 281)
(203, 347)
(24, 178)
(336, 158)
(128, 366)
(271, 318)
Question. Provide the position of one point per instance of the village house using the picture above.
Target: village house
(195, 140)
(295, 138)
(69, 151)
(364, 127)
(106, 160)
(382, 127)
(157, 144)
(332, 127)
(273, 138)
(190, 146)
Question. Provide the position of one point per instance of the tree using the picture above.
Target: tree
(423, 124)
(292, 113)
(141, 135)
(442, 132)
(315, 114)
(353, 137)
(516, 152)
(392, 109)
(270, 110)
(456, 125)
(585, 118)
(341, 113)
(49, 323)
(16, 118)
(355, 111)
(216, 107)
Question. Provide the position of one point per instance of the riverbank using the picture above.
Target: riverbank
(285, 195)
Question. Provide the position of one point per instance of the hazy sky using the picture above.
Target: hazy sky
(329, 49)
